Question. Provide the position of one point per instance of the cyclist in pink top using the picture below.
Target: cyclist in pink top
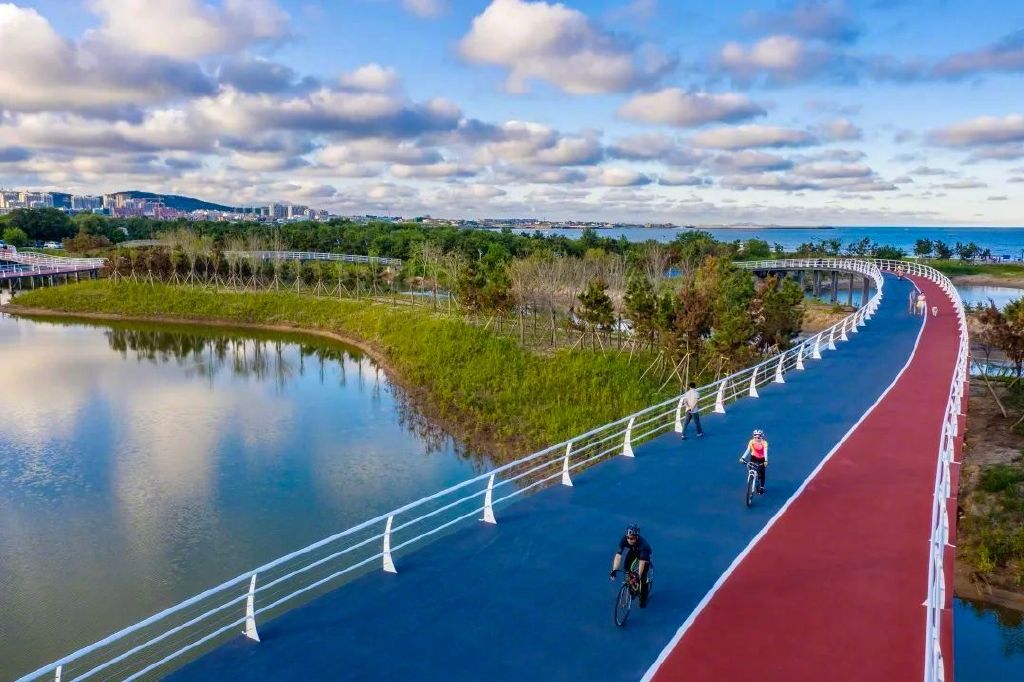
(757, 450)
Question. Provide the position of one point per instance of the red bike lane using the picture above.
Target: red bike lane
(835, 588)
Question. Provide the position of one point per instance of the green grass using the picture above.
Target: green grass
(490, 390)
(992, 534)
(1000, 270)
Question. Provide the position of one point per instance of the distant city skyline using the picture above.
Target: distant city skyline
(793, 112)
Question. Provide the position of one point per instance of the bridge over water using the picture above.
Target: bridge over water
(838, 573)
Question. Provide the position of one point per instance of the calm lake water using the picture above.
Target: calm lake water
(140, 465)
(988, 642)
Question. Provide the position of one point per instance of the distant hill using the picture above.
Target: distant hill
(181, 203)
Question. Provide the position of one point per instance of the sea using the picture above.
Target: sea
(1006, 243)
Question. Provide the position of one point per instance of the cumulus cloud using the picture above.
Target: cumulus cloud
(752, 136)
(253, 75)
(749, 161)
(984, 130)
(40, 70)
(655, 146)
(673, 179)
(552, 42)
(676, 107)
(14, 154)
(472, 193)
(620, 177)
(441, 169)
(528, 143)
(840, 129)
(1007, 55)
(826, 21)
(541, 176)
(767, 181)
(188, 29)
(372, 77)
(964, 184)
(779, 59)
(829, 171)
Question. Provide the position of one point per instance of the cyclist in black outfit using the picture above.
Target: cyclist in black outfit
(637, 550)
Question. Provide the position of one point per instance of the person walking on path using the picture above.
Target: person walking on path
(690, 399)
(921, 305)
(911, 301)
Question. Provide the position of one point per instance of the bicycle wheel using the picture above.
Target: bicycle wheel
(751, 487)
(622, 603)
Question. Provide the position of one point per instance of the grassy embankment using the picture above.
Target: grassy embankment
(1005, 274)
(990, 535)
(491, 393)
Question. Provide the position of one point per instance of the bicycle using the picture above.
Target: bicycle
(630, 588)
(752, 488)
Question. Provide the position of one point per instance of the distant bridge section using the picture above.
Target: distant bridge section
(316, 255)
(32, 268)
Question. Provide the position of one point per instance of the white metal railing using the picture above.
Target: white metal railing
(153, 645)
(315, 255)
(938, 543)
(45, 260)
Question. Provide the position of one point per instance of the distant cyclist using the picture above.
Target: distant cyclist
(638, 551)
(757, 451)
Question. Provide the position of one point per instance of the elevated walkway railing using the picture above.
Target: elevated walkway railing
(315, 255)
(153, 646)
(935, 596)
(45, 260)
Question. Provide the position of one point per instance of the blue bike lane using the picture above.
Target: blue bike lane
(530, 596)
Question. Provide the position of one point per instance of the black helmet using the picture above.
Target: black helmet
(632, 529)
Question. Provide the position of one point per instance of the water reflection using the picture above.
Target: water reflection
(988, 641)
(140, 464)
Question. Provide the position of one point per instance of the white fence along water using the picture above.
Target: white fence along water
(315, 255)
(237, 606)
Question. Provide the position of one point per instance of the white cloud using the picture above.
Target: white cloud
(539, 40)
(840, 129)
(40, 70)
(372, 77)
(188, 29)
(827, 171)
(427, 9)
(443, 169)
(674, 179)
(752, 136)
(529, 143)
(779, 59)
(676, 107)
(984, 130)
(620, 177)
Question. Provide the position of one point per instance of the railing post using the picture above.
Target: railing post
(753, 384)
(842, 332)
(816, 353)
(720, 399)
(489, 502)
(800, 357)
(250, 612)
(778, 370)
(565, 466)
(678, 428)
(627, 443)
(56, 674)
(832, 339)
(389, 563)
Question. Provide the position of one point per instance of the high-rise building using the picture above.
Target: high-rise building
(85, 202)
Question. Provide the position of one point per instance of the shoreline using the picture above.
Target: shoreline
(467, 439)
(989, 281)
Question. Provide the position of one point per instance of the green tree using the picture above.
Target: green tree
(968, 251)
(923, 247)
(596, 307)
(755, 249)
(15, 236)
(731, 293)
(888, 252)
(42, 224)
(781, 312)
(942, 250)
(641, 303)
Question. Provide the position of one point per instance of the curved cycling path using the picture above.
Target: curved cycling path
(837, 585)
(530, 597)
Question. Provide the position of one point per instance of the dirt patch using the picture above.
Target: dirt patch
(989, 443)
(818, 316)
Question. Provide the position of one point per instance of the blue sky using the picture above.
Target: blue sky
(795, 112)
